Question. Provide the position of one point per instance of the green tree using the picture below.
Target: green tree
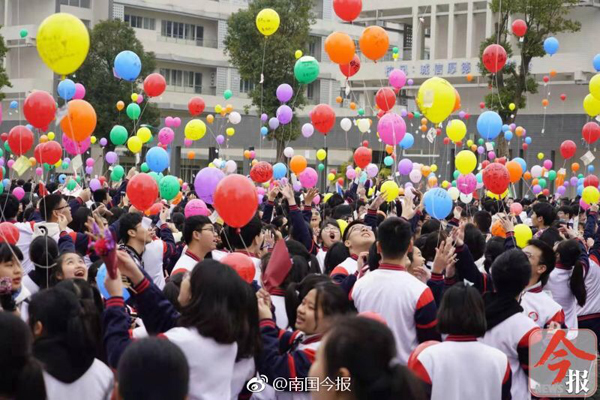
(250, 52)
(4, 81)
(543, 18)
(103, 90)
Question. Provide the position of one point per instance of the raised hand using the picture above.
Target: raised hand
(408, 208)
(378, 201)
(310, 195)
(273, 193)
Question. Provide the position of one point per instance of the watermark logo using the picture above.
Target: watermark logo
(563, 363)
(257, 384)
(307, 384)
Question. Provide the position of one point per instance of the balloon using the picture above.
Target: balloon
(408, 141)
(63, 42)
(111, 157)
(308, 178)
(547, 164)
(351, 69)
(590, 195)
(157, 159)
(134, 144)
(321, 154)
(465, 162)
(591, 105)
(415, 175)
(267, 21)
(591, 132)
(438, 203)
(284, 114)
(144, 134)
(519, 27)
(298, 164)
(235, 200)
(496, 178)
(551, 45)
(523, 234)
(288, 152)
(128, 65)
(323, 118)
(166, 135)
(120, 105)
(279, 170)
(273, 123)
(284, 92)
(405, 166)
(39, 109)
(95, 184)
(169, 187)
(489, 125)
(536, 171)
(456, 130)
(79, 91)
(118, 135)
(142, 191)
(466, 183)
(242, 264)
(66, 89)
(515, 171)
(397, 78)
(436, 99)
(392, 129)
(20, 140)
(391, 189)
(340, 47)
(80, 121)
(362, 156)
(516, 208)
(494, 58)
(155, 85)
(521, 162)
(195, 129)
(196, 106)
(206, 182)
(591, 180)
(49, 152)
(306, 70)
(385, 99)
(347, 10)
(374, 42)
(261, 172)
(508, 135)
(133, 111)
(196, 207)
(364, 124)
(346, 124)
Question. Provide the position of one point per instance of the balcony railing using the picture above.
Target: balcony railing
(210, 91)
(213, 44)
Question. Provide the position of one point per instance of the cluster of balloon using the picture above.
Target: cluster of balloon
(284, 113)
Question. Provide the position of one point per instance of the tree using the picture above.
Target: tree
(103, 90)
(4, 81)
(543, 18)
(250, 52)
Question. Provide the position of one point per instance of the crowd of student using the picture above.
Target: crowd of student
(343, 292)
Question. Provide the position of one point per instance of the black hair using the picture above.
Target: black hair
(335, 200)
(172, 289)
(126, 222)
(493, 248)
(331, 299)
(100, 195)
(193, 224)
(80, 218)
(223, 307)
(295, 292)
(58, 274)
(246, 236)
(475, 240)
(432, 225)
(9, 206)
(367, 349)
(153, 369)
(336, 255)
(569, 253)
(394, 237)
(43, 253)
(551, 236)
(8, 252)
(546, 211)
(342, 211)
(462, 312)
(117, 212)
(302, 257)
(350, 225)
(374, 257)
(566, 209)
(432, 241)
(511, 272)
(48, 204)
(179, 220)
(483, 220)
(547, 258)
(329, 221)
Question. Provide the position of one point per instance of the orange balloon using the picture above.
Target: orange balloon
(400, 191)
(425, 170)
(177, 199)
(43, 139)
(120, 105)
(423, 121)
(423, 128)
(298, 164)
(474, 147)
(457, 101)
(432, 181)
(80, 121)
(246, 153)
(210, 119)
(353, 106)
(340, 48)
(559, 181)
(553, 73)
(339, 99)
(519, 131)
(575, 167)
(228, 108)
(389, 149)
(469, 77)
(545, 102)
(535, 181)
(498, 229)
(374, 42)
(515, 171)
(527, 175)
(191, 155)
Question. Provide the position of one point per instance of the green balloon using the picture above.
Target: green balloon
(169, 187)
(456, 174)
(480, 142)
(72, 184)
(3, 173)
(417, 114)
(227, 94)
(7, 147)
(542, 182)
(321, 167)
(117, 173)
(155, 176)
(1, 153)
(133, 111)
(47, 166)
(580, 176)
(23, 33)
(552, 175)
(454, 183)
(64, 166)
(361, 111)
(1, 189)
(78, 179)
(395, 50)
(118, 134)
(306, 69)
(144, 167)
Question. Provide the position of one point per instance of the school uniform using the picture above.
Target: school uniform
(406, 304)
(588, 316)
(95, 384)
(558, 285)
(540, 307)
(321, 254)
(278, 300)
(152, 260)
(186, 262)
(444, 366)
(348, 267)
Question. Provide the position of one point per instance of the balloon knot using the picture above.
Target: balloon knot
(238, 231)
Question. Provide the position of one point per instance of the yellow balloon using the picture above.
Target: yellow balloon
(456, 130)
(195, 129)
(267, 21)
(433, 167)
(134, 96)
(51, 135)
(58, 163)
(496, 196)
(590, 195)
(523, 235)
(511, 106)
(218, 108)
(32, 161)
(343, 225)
(92, 139)
(210, 119)
(321, 154)
(395, 56)
(371, 192)
(230, 131)
(211, 165)
(465, 162)
(540, 156)
(591, 105)
(436, 99)
(327, 196)
(134, 144)
(298, 54)
(120, 105)
(392, 190)
(144, 134)
(595, 86)
(445, 184)
(63, 42)
(330, 176)
(469, 143)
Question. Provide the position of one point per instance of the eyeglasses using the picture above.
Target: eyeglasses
(359, 228)
(212, 230)
(330, 228)
(61, 208)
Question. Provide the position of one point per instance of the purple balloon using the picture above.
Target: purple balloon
(2, 162)
(536, 189)
(187, 142)
(403, 113)
(166, 135)
(111, 157)
(297, 186)
(284, 92)
(561, 190)
(574, 181)
(283, 181)
(512, 127)
(405, 166)
(307, 130)
(308, 178)
(392, 129)
(284, 114)
(466, 183)
(410, 82)
(79, 91)
(480, 149)
(566, 183)
(206, 182)
(67, 160)
(89, 162)
(264, 117)
(74, 148)
(397, 78)
(89, 170)
(95, 184)
(103, 142)
(461, 114)
(274, 123)
(220, 139)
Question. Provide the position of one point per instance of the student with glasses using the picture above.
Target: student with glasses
(358, 237)
(200, 238)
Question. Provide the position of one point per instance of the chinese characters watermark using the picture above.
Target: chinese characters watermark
(308, 384)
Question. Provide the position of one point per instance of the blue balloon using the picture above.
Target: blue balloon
(521, 162)
(128, 65)
(388, 161)
(508, 135)
(408, 141)
(279, 170)
(438, 203)
(6, 183)
(551, 45)
(479, 177)
(100, 278)
(14, 104)
(591, 168)
(505, 128)
(489, 125)
(66, 89)
(157, 159)
(579, 190)
(62, 178)
(528, 140)
(264, 130)
(363, 177)
(597, 62)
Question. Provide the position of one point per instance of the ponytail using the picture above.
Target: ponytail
(577, 283)
(569, 253)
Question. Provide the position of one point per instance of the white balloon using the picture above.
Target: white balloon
(230, 166)
(235, 118)
(346, 124)
(466, 198)
(288, 152)
(454, 193)
(409, 191)
(363, 125)
(415, 175)
(536, 171)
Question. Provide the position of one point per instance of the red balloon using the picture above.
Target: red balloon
(102, 179)
(546, 78)
(196, 106)
(484, 164)
(39, 109)
(446, 140)
(385, 99)
(501, 160)
(459, 143)
(142, 191)
(155, 209)
(155, 85)
(49, 152)
(365, 143)
(351, 68)
(340, 181)
(9, 233)
(235, 200)
(242, 264)
(568, 149)
(362, 157)
(347, 10)
(591, 180)
(4, 136)
(591, 132)
(563, 97)
(546, 192)
(482, 105)
(20, 140)
(494, 58)
(519, 27)
(323, 118)
(496, 178)
(261, 172)
(525, 146)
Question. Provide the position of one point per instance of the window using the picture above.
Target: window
(76, 3)
(310, 91)
(312, 47)
(86, 22)
(180, 30)
(246, 86)
(140, 22)
(187, 81)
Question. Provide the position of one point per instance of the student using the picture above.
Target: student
(358, 237)
(200, 237)
(483, 221)
(443, 366)
(329, 235)
(21, 376)
(588, 316)
(401, 299)
(152, 369)
(9, 209)
(65, 347)
(542, 217)
(362, 352)
(10, 268)
(336, 254)
(69, 265)
(43, 253)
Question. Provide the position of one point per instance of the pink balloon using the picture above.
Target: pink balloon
(10, 163)
(39, 171)
(582, 204)
(140, 99)
(397, 78)
(74, 148)
(169, 121)
(547, 164)
(79, 91)
(196, 207)
(166, 135)
(516, 208)
(187, 142)
(308, 178)
(18, 192)
(466, 183)
(391, 128)
(317, 200)
(176, 122)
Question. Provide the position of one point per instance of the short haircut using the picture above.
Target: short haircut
(566, 209)
(246, 236)
(551, 236)
(546, 211)
(511, 272)
(100, 195)
(350, 225)
(48, 204)
(193, 224)
(475, 240)
(462, 312)
(8, 252)
(548, 258)
(341, 211)
(336, 255)
(433, 225)
(128, 221)
(394, 237)
(483, 220)
(9, 206)
(153, 369)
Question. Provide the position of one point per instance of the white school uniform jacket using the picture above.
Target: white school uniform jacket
(445, 365)
(278, 300)
(540, 307)
(511, 337)
(348, 267)
(558, 285)
(406, 304)
(153, 262)
(321, 254)
(95, 384)
(186, 263)
(591, 309)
